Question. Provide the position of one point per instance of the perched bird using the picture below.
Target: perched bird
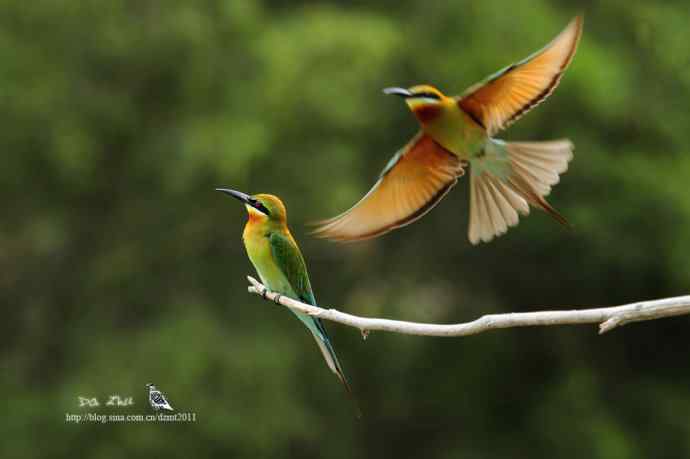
(456, 132)
(280, 265)
(157, 399)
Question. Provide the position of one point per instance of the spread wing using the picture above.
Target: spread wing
(288, 257)
(412, 183)
(510, 93)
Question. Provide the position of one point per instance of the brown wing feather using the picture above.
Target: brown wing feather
(507, 95)
(413, 183)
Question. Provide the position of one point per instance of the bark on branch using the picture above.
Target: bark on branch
(608, 318)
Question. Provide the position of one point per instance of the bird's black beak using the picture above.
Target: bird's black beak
(402, 92)
(245, 198)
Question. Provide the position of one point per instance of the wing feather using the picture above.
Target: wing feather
(510, 93)
(412, 183)
(289, 259)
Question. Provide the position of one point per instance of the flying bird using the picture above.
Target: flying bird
(281, 267)
(157, 400)
(458, 132)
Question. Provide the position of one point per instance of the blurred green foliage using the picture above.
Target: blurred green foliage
(121, 266)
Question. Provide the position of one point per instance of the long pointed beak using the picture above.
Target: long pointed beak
(402, 92)
(235, 194)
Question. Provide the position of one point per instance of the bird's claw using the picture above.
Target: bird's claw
(264, 294)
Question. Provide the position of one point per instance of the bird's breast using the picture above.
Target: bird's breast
(256, 243)
(258, 247)
(456, 132)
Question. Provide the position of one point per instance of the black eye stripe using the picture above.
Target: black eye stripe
(257, 205)
(427, 95)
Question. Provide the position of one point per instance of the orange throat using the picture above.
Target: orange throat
(255, 219)
(426, 113)
(254, 216)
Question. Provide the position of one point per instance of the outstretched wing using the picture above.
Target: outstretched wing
(288, 257)
(510, 93)
(412, 183)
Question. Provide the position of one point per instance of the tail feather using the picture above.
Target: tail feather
(331, 359)
(535, 198)
(508, 178)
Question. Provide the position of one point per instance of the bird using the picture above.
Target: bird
(157, 399)
(279, 263)
(457, 132)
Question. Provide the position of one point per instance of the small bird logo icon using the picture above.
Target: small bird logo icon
(157, 399)
(457, 133)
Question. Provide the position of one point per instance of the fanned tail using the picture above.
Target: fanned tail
(509, 177)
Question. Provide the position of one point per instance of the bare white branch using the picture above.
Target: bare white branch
(608, 318)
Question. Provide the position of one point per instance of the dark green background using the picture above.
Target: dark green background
(119, 264)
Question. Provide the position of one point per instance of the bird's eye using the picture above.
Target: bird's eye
(255, 203)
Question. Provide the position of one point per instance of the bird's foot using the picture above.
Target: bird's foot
(266, 291)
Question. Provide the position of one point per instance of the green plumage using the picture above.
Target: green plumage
(288, 258)
(280, 264)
